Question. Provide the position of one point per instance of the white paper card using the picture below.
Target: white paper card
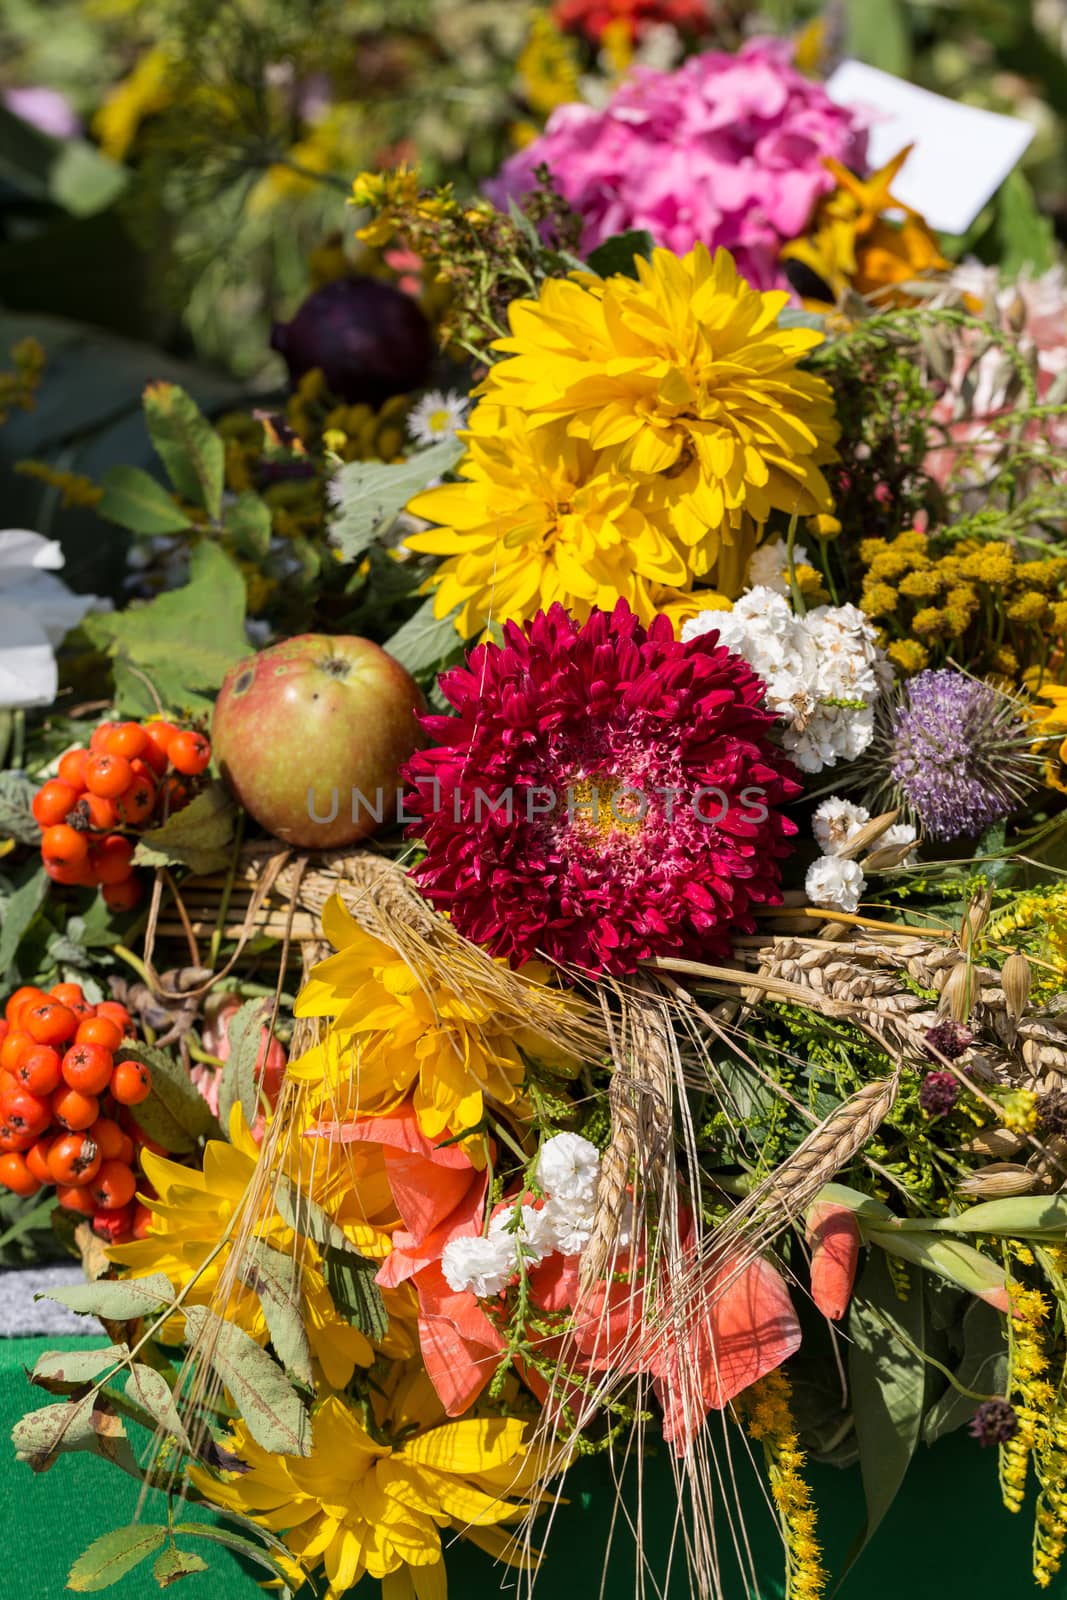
(962, 154)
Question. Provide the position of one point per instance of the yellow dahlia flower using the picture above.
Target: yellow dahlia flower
(536, 520)
(363, 1503)
(682, 383)
(396, 1033)
(191, 1212)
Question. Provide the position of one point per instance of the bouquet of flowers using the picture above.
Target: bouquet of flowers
(640, 983)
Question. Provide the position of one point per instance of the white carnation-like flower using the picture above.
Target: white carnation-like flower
(836, 823)
(834, 883)
(482, 1266)
(568, 1167)
(769, 566)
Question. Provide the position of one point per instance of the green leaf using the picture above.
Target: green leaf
(374, 494)
(1027, 237)
(349, 1275)
(187, 444)
(172, 1564)
(186, 639)
(248, 523)
(116, 1299)
(878, 33)
(275, 1277)
(175, 1114)
(17, 821)
(1022, 1216)
(110, 1557)
(960, 1263)
(888, 1383)
(149, 1389)
(619, 254)
(233, 1541)
(67, 1371)
(239, 1081)
(134, 500)
(19, 913)
(273, 1412)
(425, 641)
(983, 1368)
(198, 836)
(84, 180)
(40, 1436)
(28, 1221)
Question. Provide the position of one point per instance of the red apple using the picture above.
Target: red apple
(310, 736)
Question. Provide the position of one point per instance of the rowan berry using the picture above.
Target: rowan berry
(27, 995)
(74, 1197)
(99, 1030)
(127, 739)
(122, 896)
(136, 803)
(159, 735)
(112, 859)
(12, 1139)
(39, 1069)
(72, 768)
(110, 1137)
(71, 994)
(25, 1112)
(95, 813)
(114, 1186)
(189, 753)
(107, 775)
(37, 1158)
(14, 1048)
(52, 802)
(88, 1067)
(142, 1221)
(116, 1012)
(73, 1109)
(64, 846)
(50, 1022)
(115, 1226)
(16, 1175)
(74, 1158)
(131, 1082)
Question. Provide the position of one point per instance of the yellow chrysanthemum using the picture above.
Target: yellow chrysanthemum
(363, 1503)
(394, 1033)
(683, 382)
(534, 522)
(192, 1210)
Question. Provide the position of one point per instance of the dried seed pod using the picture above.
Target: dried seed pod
(1016, 978)
(975, 920)
(999, 1143)
(868, 835)
(957, 992)
(999, 1181)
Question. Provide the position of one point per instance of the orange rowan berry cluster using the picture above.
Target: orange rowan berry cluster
(131, 775)
(64, 1106)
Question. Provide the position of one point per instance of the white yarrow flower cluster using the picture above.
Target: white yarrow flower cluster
(567, 1170)
(768, 567)
(834, 881)
(824, 671)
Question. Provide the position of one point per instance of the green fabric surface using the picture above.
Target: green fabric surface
(947, 1535)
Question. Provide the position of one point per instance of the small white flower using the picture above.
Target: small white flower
(568, 1167)
(535, 1233)
(482, 1266)
(37, 611)
(437, 416)
(571, 1224)
(836, 822)
(833, 882)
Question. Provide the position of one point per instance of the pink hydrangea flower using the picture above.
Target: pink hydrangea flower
(727, 150)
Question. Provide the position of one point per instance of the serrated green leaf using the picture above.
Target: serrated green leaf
(110, 1557)
(187, 444)
(349, 1275)
(248, 523)
(172, 1564)
(150, 1390)
(134, 500)
(425, 641)
(274, 1277)
(67, 1371)
(28, 1221)
(40, 1436)
(198, 836)
(617, 255)
(187, 639)
(247, 1548)
(238, 1083)
(17, 821)
(116, 1299)
(19, 913)
(374, 494)
(273, 1412)
(175, 1114)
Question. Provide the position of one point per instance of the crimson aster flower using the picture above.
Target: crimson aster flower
(604, 794)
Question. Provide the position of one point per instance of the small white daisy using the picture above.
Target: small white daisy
(436, 416)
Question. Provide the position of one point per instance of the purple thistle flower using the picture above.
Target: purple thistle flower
(938, 1093)
(994, 1422)
(959, 753)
